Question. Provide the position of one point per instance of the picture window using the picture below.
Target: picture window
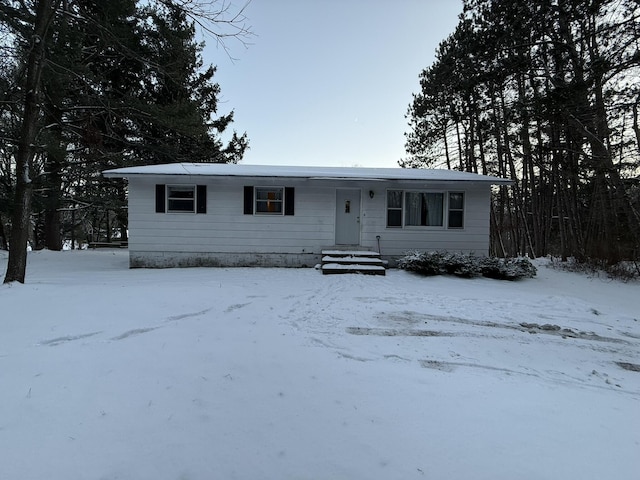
(424, 209)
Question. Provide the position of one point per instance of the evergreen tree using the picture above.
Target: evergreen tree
(542, 92)
(112, 84)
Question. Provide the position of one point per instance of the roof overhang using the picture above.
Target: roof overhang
(308, 173)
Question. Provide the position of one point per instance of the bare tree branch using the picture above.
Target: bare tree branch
(216, 19)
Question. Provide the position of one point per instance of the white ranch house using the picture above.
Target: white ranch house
(187, 214)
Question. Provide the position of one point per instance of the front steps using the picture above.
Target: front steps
(352, 261)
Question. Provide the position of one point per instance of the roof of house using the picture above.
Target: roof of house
(316, 173)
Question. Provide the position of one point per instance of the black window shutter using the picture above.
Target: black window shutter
(160, 198)
(201, 198)
(289, 200)
(248, 200)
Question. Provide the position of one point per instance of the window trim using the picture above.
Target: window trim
(281, 201)
(249, 200)
(432, 227)
(462, 209)
(400, 208)
(199, 198)
(168, 198)
(445, 209)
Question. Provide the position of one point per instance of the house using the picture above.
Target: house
(188, 214)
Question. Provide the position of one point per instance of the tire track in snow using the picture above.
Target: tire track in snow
(134, 332)
(68, 338)
(552, 376)
(189, 315)
(532, 328)
(129, 333)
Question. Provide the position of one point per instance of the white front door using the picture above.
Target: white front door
(347, 217)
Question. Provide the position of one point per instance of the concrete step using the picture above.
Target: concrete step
(338, 268)
(350, 253)
(352, 261)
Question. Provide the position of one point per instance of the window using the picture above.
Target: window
(269, 200)
(423, 209)
(181, 198)
(456, 210)
(394, 208)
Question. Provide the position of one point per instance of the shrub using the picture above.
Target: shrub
(425, 263)
(508, 268)
(460, 265)
(467, 266)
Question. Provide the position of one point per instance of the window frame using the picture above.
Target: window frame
(461, 210)
(446, 209)
(433, 227)
(400, 208)
(256, 211)
(168, 198)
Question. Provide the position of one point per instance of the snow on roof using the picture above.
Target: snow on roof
(343, 173)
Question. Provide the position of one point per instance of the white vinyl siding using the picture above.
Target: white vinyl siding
(396, 242)
(226, 230)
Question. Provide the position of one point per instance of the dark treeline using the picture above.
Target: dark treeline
(100, 84)
(545, 92)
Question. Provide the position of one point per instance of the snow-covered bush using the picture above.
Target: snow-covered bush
(508, 268)
(425, 263)
(467, 266)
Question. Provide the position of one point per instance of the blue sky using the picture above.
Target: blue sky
(328, 82)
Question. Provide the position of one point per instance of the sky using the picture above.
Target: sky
(328, 82)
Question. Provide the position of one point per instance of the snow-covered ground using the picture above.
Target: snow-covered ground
(111, 373)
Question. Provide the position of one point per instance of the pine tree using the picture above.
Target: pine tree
(542, 92)
(109, 84)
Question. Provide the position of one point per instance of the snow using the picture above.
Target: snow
(316, 173)
(111, 373)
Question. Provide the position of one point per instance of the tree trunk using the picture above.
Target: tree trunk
(3, 236)
(52, 202)
(460, 157)
(52, 229)
(446, 144)
(20, 220)
(636, 127)
(52, 196)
